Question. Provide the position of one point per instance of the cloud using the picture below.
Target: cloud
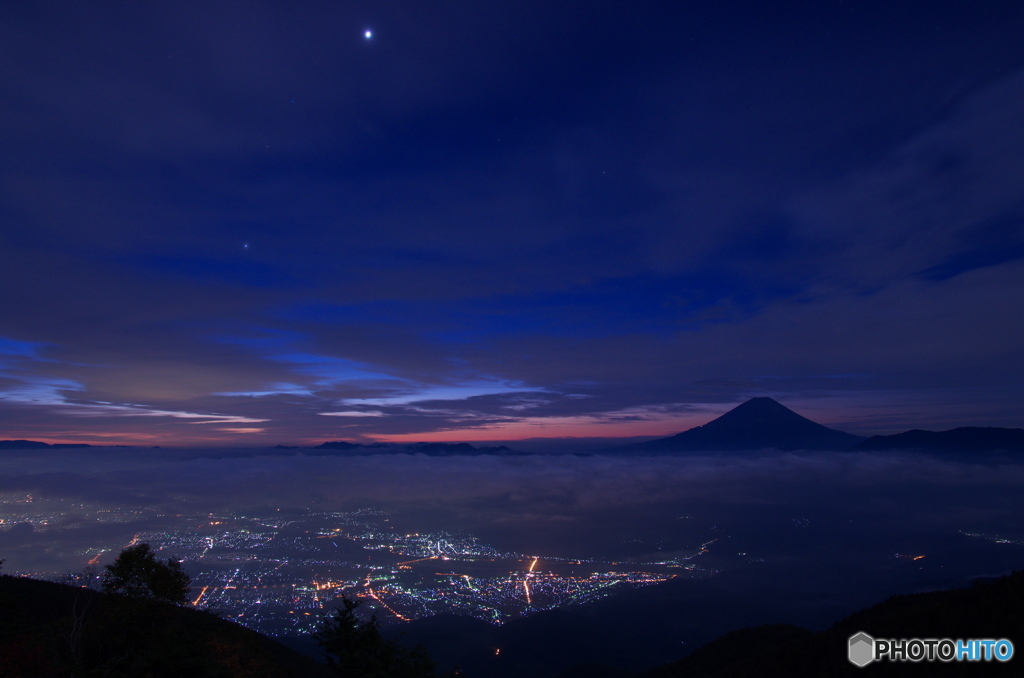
(352, 413)
(265, 221)
(938, 205)
(54, 393)
(547, 505)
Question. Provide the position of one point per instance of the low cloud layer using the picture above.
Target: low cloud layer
(774, 506)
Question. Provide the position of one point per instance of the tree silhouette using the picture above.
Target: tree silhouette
(356, 649)
(137, 573)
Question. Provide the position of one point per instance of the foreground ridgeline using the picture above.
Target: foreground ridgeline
(49, 629)
(989, 609)
(140, 626)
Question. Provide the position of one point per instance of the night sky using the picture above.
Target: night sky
(251, 223)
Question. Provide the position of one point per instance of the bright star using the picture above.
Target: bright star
(368, 34)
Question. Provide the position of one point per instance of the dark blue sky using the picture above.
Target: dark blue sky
(246, 223)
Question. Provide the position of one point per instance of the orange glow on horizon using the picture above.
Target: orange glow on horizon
(562, 427)
(619, 424)
(122, 439)
(625, 423)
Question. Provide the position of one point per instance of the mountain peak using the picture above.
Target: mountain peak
(759, 423)
(762, 405)
(762, 411)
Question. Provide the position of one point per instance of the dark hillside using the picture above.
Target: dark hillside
(49, 629)
(990, 609)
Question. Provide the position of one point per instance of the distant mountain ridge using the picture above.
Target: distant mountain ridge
(757, 424)
(963, 439)
(332, 447)
(429, 449)
(37, 445)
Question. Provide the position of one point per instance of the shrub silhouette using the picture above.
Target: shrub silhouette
(358, 650)
(137, 573)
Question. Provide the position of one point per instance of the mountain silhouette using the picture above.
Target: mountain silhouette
(36, 445)
(963, 439)
(429, 449)
(759, 423)
(22, 445)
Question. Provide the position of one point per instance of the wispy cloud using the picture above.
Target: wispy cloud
(56, 394)
(352, 413)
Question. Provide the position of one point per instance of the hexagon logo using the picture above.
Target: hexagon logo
(862, 649)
